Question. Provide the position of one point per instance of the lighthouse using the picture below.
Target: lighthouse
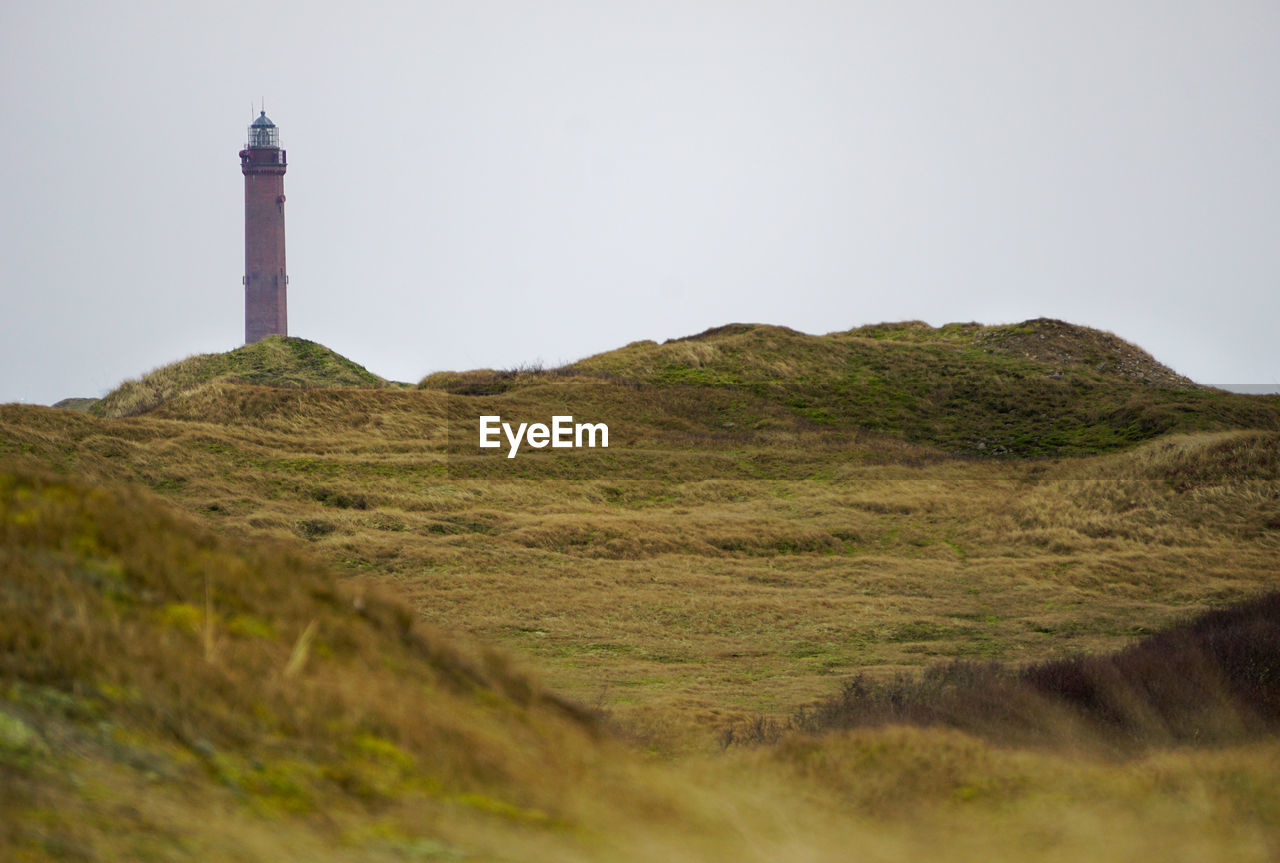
(265, 282)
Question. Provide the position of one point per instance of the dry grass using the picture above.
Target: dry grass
(165, 691)
(705, 595)
(275, 360)
(154, 705)
(731, 556)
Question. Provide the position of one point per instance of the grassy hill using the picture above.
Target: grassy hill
(1042, 387)
(274, 361)
(75, 403)
(166, 693)
(271, 623)
(243, 678)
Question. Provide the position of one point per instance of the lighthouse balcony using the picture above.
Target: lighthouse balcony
(255, 158)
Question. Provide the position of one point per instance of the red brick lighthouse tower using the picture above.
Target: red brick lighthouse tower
(262, 162)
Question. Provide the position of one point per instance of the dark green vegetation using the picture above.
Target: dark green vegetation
(1214, 679)
(217, 634)
(275, 361)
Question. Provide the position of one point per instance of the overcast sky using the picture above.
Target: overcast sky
(484, 183)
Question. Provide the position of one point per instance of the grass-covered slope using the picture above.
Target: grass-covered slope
(139, 651)
(166, 694)
(182, 678)
(711, 578)
(1042, 387)
(274, 361)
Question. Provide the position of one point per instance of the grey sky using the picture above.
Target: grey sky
(490, 182)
